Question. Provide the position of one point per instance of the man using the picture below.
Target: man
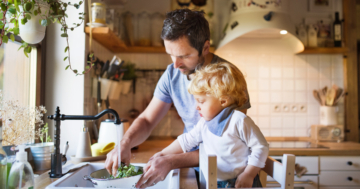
(186, 38)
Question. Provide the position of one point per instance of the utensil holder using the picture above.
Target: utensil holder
(328, 115)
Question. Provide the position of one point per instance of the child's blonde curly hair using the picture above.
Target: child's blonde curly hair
(220, 80)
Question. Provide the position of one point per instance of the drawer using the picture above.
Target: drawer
(339, 163)
(339, 178)
(310, 162)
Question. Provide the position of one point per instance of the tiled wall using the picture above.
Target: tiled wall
(287, 81)
(273, 80)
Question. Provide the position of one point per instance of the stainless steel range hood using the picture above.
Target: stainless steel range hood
(261, 27)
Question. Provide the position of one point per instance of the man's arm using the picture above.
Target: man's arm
(139, 130)
(142, 126)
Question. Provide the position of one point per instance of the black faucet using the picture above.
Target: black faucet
(56, 166)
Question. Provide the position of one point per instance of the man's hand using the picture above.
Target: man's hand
(244, 180)
(155, 170)
(111, 163)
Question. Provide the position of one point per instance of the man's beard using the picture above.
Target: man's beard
(200, 63)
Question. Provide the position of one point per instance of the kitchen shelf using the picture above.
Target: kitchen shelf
(325, 50)
(111, 41)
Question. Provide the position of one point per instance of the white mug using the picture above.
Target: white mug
(328, 115)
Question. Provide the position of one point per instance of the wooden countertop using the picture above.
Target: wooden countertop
(141, 155)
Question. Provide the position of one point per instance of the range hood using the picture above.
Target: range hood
(259, 26)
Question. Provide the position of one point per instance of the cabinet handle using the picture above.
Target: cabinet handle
(350, 178)
(349, 163)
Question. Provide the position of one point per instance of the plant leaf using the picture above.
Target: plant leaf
(28, 49)
(3, 7)
(28, 16)
(5, 39)
(83, 72)
(35, 12)
(16, 31)
(2, 24)
(12, 10)
(75, 71)
(87, 67)
(44, 22)
(23, 21)
(91, 55)
(67, 67)
(64, 35)
(66, 48)
(1, 16)
(12, 37)
(28, 6)
(26, 53)
(65, 58)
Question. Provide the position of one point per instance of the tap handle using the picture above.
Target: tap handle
(66, 147)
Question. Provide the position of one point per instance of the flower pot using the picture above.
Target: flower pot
(33, 32)
(41, 153)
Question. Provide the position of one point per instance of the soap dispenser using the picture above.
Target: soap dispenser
(21, 175)
(84, 144)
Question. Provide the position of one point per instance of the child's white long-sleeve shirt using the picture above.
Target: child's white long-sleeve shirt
(238, 144)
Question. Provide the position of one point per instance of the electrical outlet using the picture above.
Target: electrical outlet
(286, 107)
(276, 108)
(294, 108)
(302, 108)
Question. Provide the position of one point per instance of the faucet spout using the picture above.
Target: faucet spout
(56, 157)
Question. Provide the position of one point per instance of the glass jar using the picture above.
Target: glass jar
(98, 13)
(130, 31)
(110, 18)
(157, 20)
(144, 29)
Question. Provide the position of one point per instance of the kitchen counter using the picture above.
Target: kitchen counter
(141, 155)
(187, 175)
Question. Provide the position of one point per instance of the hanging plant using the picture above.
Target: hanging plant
(29, 18)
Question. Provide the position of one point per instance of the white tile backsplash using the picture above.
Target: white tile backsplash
(283, 80)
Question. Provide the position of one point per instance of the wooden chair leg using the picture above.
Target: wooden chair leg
(263, 178)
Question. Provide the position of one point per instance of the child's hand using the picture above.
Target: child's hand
(244, 180)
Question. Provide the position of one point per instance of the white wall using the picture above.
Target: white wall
(63, 88)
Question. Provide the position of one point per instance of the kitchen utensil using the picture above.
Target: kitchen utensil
(134, 113)
(339, 97)
(105, 68)
(101, 179)
(322, 97)
(330, 96)
(316, 96)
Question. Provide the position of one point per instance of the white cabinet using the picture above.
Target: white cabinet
(339, 172)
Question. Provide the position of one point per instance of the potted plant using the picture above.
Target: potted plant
(129, 77)
(29, 18)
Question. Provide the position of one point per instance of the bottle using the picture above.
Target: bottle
(312, 35)
(337, 31)
(3, 162)
(21, 174)
(302, 34)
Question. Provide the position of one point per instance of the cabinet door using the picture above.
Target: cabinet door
(339, 163)
(339, 178)
(310, 162)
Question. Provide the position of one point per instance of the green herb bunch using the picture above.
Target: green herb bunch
(127, 171)
(16, 12)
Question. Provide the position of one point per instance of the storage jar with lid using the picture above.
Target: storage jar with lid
(98, 13)
(157, 20)
(144, 29)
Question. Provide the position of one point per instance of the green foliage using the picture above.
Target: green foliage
(127, 171)
(129, 74)
(42, 133)
(22, 11)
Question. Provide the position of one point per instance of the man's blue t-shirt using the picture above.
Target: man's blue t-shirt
(172, 88)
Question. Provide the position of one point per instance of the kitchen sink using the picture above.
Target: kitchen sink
(75, 180)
